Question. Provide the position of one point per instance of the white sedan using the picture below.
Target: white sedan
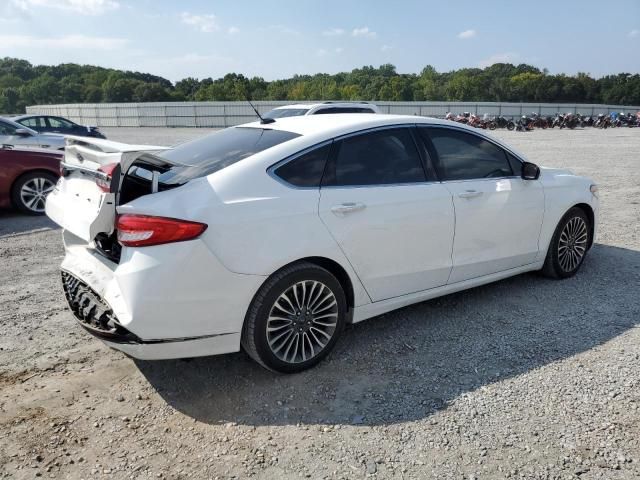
(272, 236)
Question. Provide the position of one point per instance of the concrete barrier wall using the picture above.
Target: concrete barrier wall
(225, 114)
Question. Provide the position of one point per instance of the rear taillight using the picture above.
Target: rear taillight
(103, 179)
(143, 230)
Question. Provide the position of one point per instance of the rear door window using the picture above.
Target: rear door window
(381, 157)
(33, 122)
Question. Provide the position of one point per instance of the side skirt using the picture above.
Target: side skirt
(378, 308)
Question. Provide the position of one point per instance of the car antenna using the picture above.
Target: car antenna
(263, 121)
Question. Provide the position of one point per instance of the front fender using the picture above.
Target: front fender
(562, 191)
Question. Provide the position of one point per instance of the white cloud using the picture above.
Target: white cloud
(65, 42)
(233, 30)
(467, 34)
(507, 57)
(339, 50)
(83, 7)
(321, 52)
(363, 32)
(633, 33)
(386, 48)
(333, 32)
(205, 23)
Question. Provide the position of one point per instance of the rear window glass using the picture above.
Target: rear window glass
(286, 112)
(214, 152)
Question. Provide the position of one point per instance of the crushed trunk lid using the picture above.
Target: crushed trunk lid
(77, 203)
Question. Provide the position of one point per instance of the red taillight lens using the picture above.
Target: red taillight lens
(103, 180)
(143, 230)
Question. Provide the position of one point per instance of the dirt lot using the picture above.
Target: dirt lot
(525, 378)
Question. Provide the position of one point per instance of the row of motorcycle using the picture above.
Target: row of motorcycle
(561, 120)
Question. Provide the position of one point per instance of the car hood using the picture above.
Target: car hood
(556, 171)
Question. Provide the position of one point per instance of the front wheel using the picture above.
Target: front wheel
(568, 246)
(29, 193)
(295, 318)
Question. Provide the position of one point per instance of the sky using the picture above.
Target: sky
(279, 38)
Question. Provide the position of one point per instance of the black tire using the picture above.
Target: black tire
(511, 126)
(553, 265)
(22, 201)
(255, 339)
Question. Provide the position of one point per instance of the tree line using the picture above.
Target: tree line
(22, 84)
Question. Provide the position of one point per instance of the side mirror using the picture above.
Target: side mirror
(22, 132)
(530, 171)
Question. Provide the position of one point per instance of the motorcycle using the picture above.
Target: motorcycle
(558, 121)
(602, 121)
(464, 118)
(570, 121)
(538, 122)
(525, 124)
(502, 122)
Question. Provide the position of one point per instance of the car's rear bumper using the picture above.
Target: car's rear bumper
(169, 301)
(180, 348)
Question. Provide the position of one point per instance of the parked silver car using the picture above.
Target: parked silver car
(12, 133)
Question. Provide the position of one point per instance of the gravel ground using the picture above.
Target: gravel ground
(524, 378)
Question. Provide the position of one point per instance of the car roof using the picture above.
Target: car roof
(309, 106)
(341, 123)
(318, 128)
(22, 117)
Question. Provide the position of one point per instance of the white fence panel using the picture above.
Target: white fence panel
(224, 114)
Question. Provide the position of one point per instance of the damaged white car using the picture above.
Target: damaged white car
(272, 236)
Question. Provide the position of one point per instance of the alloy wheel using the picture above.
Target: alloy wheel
(33, 193)
(302, 321)
(572, 244)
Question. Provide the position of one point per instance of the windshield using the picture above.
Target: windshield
(286, 112)
(218, 150)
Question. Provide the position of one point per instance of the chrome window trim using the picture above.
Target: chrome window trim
(271, 169)
(378, 185)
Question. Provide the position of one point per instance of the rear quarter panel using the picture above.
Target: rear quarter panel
(256, 225)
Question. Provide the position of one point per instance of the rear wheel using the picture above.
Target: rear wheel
(30, 191)
(568, 246)
(295, 319)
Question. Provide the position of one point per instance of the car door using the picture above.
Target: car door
(393, 221)
(498, 214)
(58, 125)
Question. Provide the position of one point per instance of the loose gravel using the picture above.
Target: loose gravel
(527, 378)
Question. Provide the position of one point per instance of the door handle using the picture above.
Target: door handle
(348, 207)
(469, 194)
